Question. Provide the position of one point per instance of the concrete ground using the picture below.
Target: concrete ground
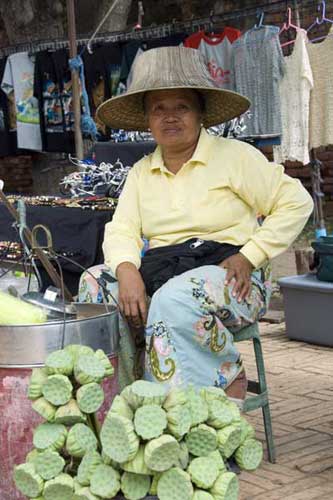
(301, 393)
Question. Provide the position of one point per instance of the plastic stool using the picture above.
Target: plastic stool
(260, 388)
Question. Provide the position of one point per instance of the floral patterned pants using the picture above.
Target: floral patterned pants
(190, 326)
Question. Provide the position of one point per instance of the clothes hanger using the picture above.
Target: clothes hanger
(286, 26)
(261, 16)
(318, 22)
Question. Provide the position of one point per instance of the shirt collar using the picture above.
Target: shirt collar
(200, 154)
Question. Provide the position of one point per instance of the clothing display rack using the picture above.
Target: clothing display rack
(159, 31)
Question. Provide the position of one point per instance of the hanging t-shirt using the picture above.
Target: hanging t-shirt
(258, 67)
(53, 89)
(8, 139)
(19, 78)
(295, 88)
(217, 50)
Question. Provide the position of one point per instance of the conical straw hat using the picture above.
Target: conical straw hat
(170, 68)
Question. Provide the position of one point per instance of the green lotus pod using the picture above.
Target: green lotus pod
(120, 406)
(179, 420)
(80, 440)
(52, 436)
(162, 453)
(184, 456)
(213, 393)
(229, 439)
(249, 455)
(69, 414)
(225, 487)
(143, 392)
(76, 350)
(105, 481)
(49, 464)
(27, 481)
(202, 495)
(118, 439)
(87, 369)
(102, 357)
(203, 472)
(88, 466)
(90, 397)
(198, 408)
(37, 380)
(150, 421)
(57, 390)
(175, 484)
(59, 488)
(32, 455)
(222, 413)
(176, 397)
(218, 460)
(154, 483)
(126, 395)
(137, 465)
(201, 440)
(44, 409)
(84, 494)
(135, 486)
(59, 362)
(247, 430)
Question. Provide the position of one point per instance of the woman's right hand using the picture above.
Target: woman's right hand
(132, 294)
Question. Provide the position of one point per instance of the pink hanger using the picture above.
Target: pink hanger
(318, 22)
(287, 26)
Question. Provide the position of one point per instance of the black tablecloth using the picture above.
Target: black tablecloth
(77, 232)
(127, 152)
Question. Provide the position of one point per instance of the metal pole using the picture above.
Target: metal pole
(75, 80)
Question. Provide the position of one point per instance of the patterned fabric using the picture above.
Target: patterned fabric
(190, 326)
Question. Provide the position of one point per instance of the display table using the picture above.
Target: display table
(75, 232)
(308, 309)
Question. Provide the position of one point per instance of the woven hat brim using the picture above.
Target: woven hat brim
(126, 110)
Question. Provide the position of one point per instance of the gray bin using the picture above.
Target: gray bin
(308, 307)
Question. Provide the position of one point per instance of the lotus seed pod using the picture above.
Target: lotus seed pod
(176, 397)
(59, 488)
(105, 481)
(52, 436)
(44, 409)
(137, 465)
(59, 362)
(49, 464)
(90, 397)
(84, 494)
(220, 414)
(175, 484)
(203, 472)
(135, 486)
(249, 455)
(118, 439)
(27, 481)
(150, 421)
(201, 440)
(76, 350)
(80, 440)
(198, 408)
(88, 369)
(120, 407)
(154, 483)
(162, 453)
(102, 357)
(184, 456)
(37, 380)
(218, 460)
(213, 394)
(69, 414)
(226, 487)
(57, 390)
(179, 420)
(202, 495)
(32, 455)
(88, 466)
(229, 439)
(247, 431)
(142, 392)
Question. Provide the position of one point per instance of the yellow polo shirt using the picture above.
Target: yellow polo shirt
(216, 195)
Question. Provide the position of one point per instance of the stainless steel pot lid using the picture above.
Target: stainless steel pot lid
(56, 305)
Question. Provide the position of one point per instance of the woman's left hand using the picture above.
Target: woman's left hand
(239, 269)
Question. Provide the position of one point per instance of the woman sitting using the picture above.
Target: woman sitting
(195, 199)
